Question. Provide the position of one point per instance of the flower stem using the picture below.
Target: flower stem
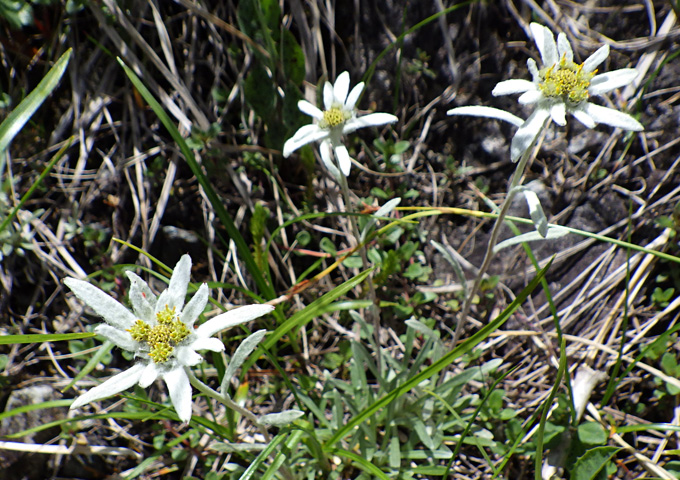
(229, 403)
(226, 401)
(495, 232)
(373, 310)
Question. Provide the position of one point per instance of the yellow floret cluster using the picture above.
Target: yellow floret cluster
(162, 338)
(332, 118)
(567, 80)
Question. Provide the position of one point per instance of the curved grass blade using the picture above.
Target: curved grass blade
(431, 211)
(291, 444)
(440, 364)
(252, 468)
(538, 457)
(223, 215)
(16, 120)
(148, 461)
(361, 462)
(36, 184)
(158, 411)
(104, 349)
(311, 311)
(473, 418)
(34, 406)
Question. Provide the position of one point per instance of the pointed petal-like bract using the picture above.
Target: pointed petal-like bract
(306, 134)
(344, 160)
(141, 297)
(370, 120)
(180, 392)
(109, 309)
(212, 344)
(327, 158)
(509, 87)
(311, 110)
(341, 88)
(594, 61)
(564, 48)
(195, 306)
(607, 82)
(545, 41)
(526, 134)
(353, 96)
(531, 97)
(120, 338)
(112, 386)
(558, 112)
(232, 318)
(328, 96)
(173, 296)
(612, 117)
(488, 112)
(187, 356)
(533, 69)
(149, 375)
(582, 116)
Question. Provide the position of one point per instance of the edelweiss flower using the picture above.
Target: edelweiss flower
(560, 86)
(339, 117)
(160, 332)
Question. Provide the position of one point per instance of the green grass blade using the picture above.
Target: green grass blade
(16, 120)
(35, 406)
(42, 338)
(440, 364)
(311, 311)
(432, 211)
(149, 460)
(228, 223)
(34, 186)
(157, 412)
(91, 364)
(473, 418)
(614, 381)
(294, 439)
(645, 427)
(361, 462)
(538, 458)
(252, 468)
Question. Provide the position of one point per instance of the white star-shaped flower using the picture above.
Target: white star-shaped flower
(558, 87)
(338, 118)
(160, 332)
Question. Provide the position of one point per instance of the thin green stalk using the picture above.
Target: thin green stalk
(561, 371)
(373, 311)
(225, 400)
(493, 240)
(229, 403)
(614, 378)
(36, 184)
